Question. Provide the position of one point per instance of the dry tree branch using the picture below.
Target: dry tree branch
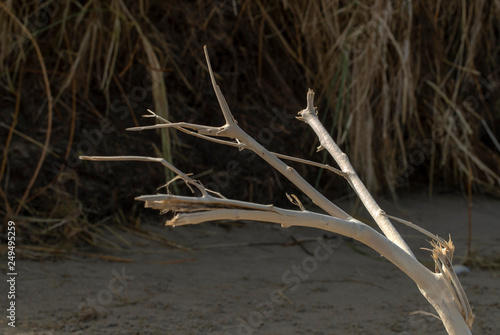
(309, 116)
(442, 289)
(184, 127)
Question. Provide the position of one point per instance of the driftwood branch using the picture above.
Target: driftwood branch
(441, 288)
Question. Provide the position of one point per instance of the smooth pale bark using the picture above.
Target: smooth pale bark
(309, 116)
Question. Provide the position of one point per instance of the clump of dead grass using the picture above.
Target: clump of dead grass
(401, 83)
(410, 91)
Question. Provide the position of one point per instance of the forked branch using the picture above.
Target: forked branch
(442, 288)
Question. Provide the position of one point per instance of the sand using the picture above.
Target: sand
(252, 278)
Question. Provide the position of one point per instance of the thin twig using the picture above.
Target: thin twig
(417, 228)
(184, 176)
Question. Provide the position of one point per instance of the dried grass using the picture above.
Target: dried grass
(395, 82)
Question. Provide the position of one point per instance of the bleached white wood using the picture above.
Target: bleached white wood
(310, 116)
(442, 289)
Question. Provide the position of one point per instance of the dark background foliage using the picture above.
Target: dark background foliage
(411, 94)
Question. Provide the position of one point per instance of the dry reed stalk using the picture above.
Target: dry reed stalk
(49, 108)
(82, 49)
